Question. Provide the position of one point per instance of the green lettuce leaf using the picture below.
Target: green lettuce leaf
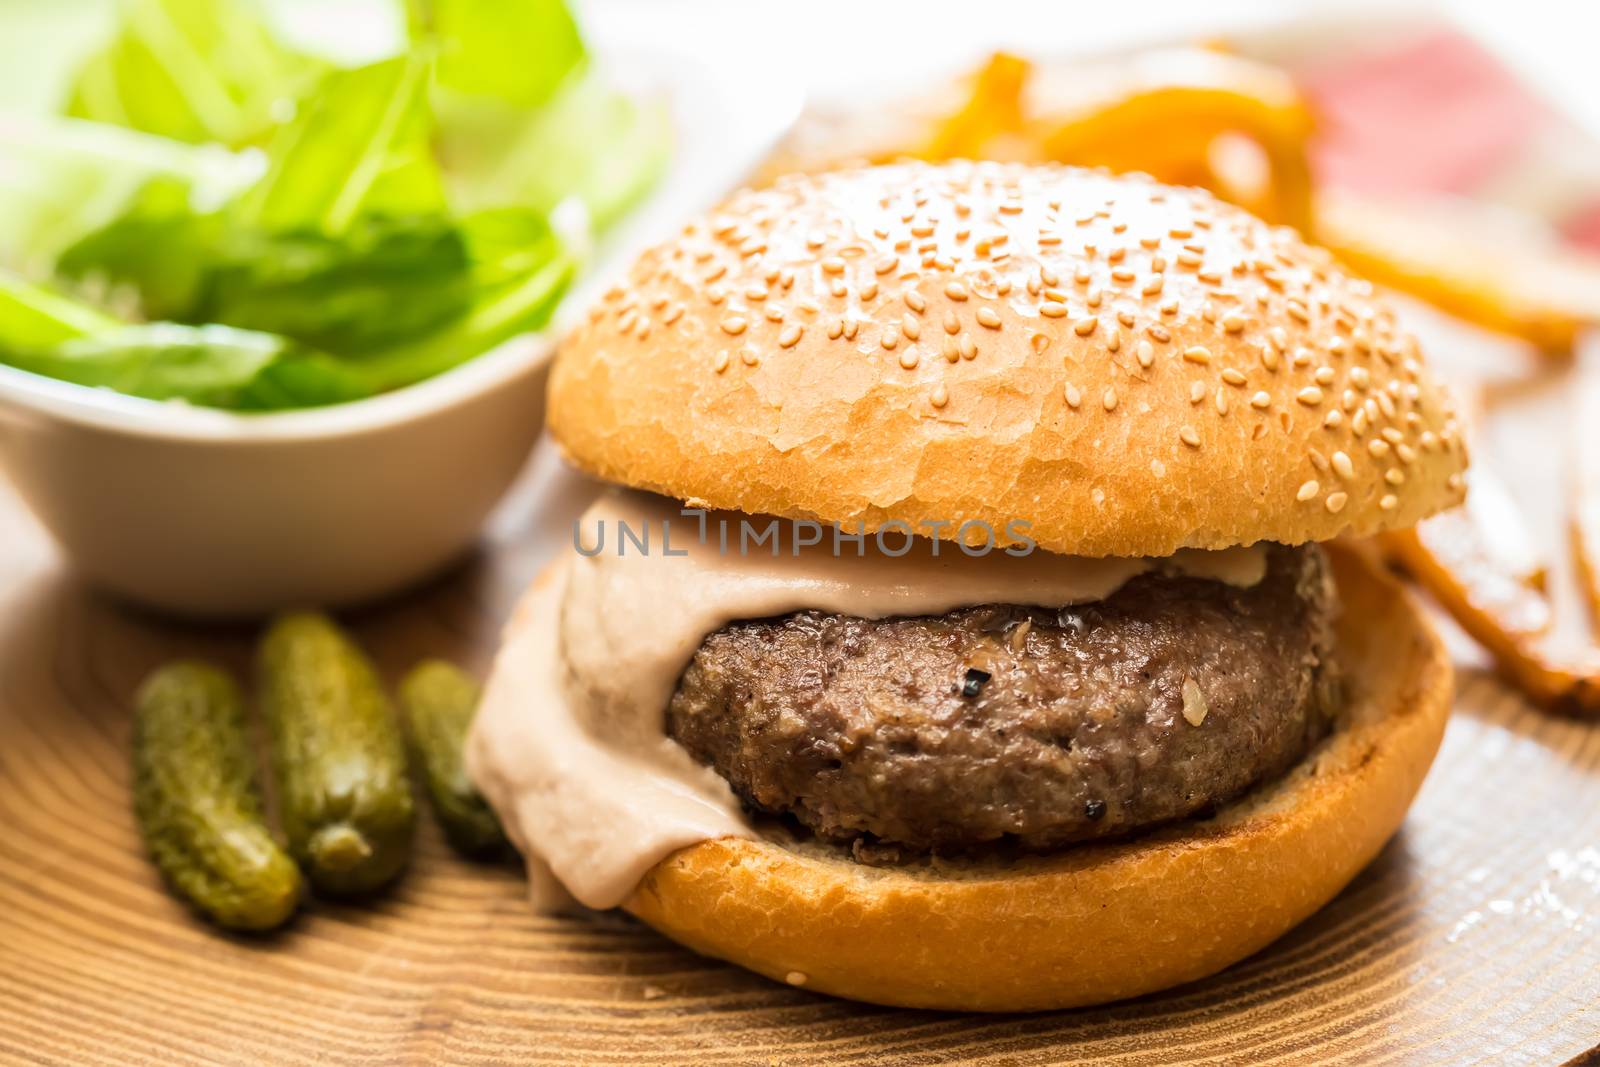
(63, 179)
(590, 141)
(519, 52)
(358, 145)
(153, 259)
(33, 317)
(193, 70)
(382, 281)
(520, 269)
(215, 366)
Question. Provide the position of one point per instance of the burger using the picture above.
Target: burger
(978, 621)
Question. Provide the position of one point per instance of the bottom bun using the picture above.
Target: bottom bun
(1092, 923)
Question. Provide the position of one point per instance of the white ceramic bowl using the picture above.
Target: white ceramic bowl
(206, 512)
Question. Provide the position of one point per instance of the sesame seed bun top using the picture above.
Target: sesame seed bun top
(1130, 368)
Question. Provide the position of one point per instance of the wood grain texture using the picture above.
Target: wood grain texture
(1475, 937)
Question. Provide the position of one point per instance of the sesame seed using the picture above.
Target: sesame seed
(1233, 377)
(1308, 490)
(734, 325)
(1084, 327)
(749, 356)
(1197, 354)
(967, 348)
(1310, 396)
(1394, 476)
(988, 318)
(833, 265)
(673, 314)
(1342, 464)
(1221, 401)
(1146, 354)
(908, 359)
(1197, 392)
(941, 396)
(719, 362)
(886, 264)
(850, 327)
(1389, 502)
(955, 291)
(1336, 502)
(1110, 400)
(835, 329)
(1261, 401)
(952, 324)
(911, 326)
(1378, 447)
(1074, 398)
(914, 301)
(1158, 333)
(790, 335)
(1188, 436)
(890, 337)
(1053, 311)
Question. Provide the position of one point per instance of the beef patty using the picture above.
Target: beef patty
(1009, 723)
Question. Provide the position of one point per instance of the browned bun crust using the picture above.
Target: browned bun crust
(1091, 923)
(1130, 367)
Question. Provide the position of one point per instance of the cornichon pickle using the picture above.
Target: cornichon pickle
(194, 792)
(338, 755)
(440, 700)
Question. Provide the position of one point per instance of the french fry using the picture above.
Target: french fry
(1585, 518)
(1469, 261)
(1449, 556)
(1478, 563)
(1164, 111)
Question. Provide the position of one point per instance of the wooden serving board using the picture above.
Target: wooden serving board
(1475, 937)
